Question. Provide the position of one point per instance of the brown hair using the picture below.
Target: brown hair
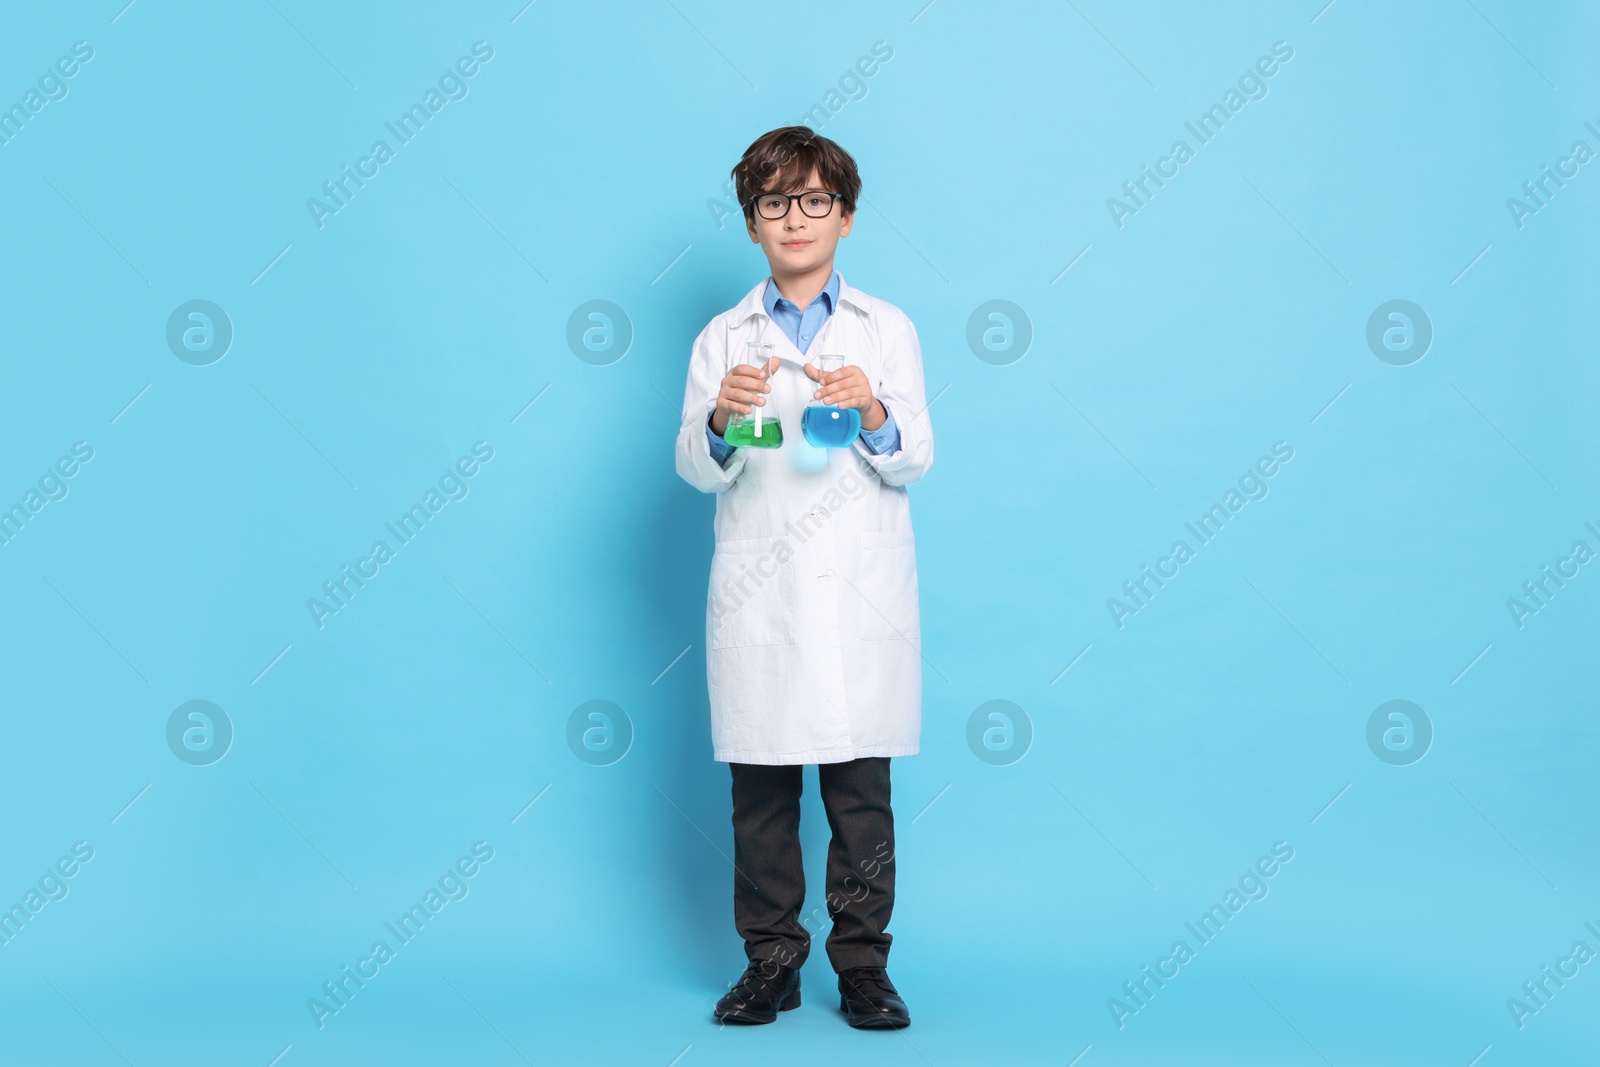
(782, 159)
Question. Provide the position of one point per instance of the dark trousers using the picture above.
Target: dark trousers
(769, 883)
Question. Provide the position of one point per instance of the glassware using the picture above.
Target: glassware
(762, 427)
(828, 425)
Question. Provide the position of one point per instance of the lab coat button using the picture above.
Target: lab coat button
(826, 576)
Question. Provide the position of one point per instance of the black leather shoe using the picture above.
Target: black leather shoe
(766, 988)
(870, 1001)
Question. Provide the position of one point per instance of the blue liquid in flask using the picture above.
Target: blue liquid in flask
(829, 426)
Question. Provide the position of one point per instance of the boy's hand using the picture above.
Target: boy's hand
(848, 388)
(743, 386)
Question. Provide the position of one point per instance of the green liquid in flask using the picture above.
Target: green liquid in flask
(742, 432)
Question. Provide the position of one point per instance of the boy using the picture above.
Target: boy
(813, 644)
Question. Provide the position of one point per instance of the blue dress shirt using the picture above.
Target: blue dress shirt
(800, 327)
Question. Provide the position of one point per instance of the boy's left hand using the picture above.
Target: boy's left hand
(848, 388)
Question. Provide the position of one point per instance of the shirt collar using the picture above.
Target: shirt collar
(830, 295)
(755, 301)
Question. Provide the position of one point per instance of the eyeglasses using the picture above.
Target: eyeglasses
(815, 203)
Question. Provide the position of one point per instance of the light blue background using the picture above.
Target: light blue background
(1227, 715)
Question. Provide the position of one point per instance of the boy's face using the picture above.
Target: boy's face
(798, 243)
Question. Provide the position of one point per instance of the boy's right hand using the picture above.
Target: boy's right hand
(742, 387)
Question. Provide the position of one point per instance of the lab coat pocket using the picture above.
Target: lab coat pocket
(751, 600)
(887, 582)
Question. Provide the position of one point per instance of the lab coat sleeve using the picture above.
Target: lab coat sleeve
(696, 464)
(901, 389)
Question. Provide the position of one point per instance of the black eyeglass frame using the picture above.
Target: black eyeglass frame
(788, 202)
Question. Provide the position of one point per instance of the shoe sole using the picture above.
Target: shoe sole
(741, 1016)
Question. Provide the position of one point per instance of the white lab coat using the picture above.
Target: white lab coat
(813, 643)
